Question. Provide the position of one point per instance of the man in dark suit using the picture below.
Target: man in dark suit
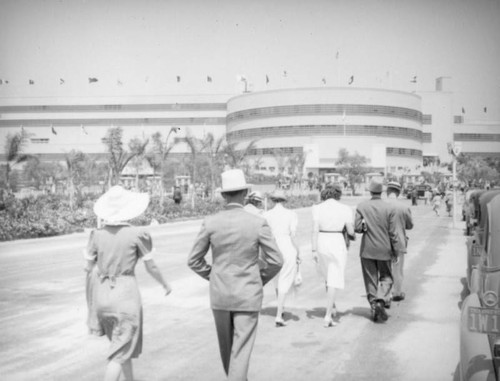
(403, 222)
(236, 279)
(375, 218)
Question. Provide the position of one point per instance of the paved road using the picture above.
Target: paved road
(43, 333)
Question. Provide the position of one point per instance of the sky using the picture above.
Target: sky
(138, 47)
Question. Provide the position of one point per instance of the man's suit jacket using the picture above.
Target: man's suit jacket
(380, 241)
(403, 221)
(236, 280)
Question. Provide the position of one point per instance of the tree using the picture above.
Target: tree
(237, 158)
(352, 167)
(297, 162)
(138, 151)
(75, 170)
(118, 157)
(158, 157)
(214, 148)
(14, 147)
(475, 171)
(196, 147)
(282, 160)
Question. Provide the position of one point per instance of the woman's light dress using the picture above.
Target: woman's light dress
(283, 223)
(330, 218)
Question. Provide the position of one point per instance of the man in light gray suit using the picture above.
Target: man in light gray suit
(236, 279)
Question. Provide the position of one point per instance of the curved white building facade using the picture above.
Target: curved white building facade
(383, 125)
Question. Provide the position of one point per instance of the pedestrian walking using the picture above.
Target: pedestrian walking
(379, 247)
(283, 223)
(448, 200)
(436, 203)
(403, 222)
(112, 252)
(414, 196)
(236, 279)
(331, 219)
(177, 195)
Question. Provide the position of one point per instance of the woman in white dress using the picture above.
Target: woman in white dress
(329, 247)
(283, 223)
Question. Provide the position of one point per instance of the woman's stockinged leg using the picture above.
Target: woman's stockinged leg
(330, 301)
(115, 369)
(127, 370)
(280, 307)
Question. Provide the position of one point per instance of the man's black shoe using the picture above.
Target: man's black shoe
(398, 298)
(380, 311)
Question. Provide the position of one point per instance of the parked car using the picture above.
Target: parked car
(475, 243)
(480, 313)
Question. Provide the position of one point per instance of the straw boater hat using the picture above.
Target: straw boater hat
(119, 204)
(394, 185)
(278, 195)
(256, 195)
(233, 180)
(375, 186)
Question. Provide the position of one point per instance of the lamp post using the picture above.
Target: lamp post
(243, 79)
(454, 149)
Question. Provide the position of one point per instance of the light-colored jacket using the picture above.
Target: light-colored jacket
(236, 280)
(403, 221)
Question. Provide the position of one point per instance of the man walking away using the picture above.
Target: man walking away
(379, 246)
(236, 279)
(404, 222)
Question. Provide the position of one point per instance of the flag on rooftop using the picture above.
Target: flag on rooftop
(267, 79)
(337, 55)
(485, 109)
(119, 83)
(53, 130)
(463, 110)
(92, 79)
(209, 79)
(1, 82)
(84, 130)
(61, 81)
(285, 73)
(175, 129)
(414, 80)
(178, 78)
(351, 79)
(324, 81)
(31, 82)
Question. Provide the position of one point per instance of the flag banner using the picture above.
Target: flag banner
(267, 79)
(1, 82)
(351, 79)
(337, 55)
(61, 81)
(84, 130)
(178, 78)
(53, 130)
(485, 109)
(119, 83)
(31, 82)
(463, 110)
(209, 79)
(414, 80)
(92, 80)
(324, 81)
(285, 73)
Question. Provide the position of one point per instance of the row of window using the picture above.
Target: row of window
(426, 137)
(464, 137)
(116, 107)
(112, 122)
(276, 151)
(326, 129)
(324, 109)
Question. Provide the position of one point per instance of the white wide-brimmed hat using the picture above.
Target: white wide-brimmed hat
(256, 195)
(233, 180)
(119, 204)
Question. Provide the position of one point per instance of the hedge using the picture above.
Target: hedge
(51, 215)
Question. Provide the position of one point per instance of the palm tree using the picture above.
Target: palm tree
(118, 156)
(138, 150)
(215, 151)
(74, 168)
(196, 146)
(14, 146)
(162, 149)
(237, 157)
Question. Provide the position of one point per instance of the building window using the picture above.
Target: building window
(426, 137)
(39, 140)
(426, 119)
(458, 119)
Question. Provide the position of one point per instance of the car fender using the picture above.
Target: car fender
(476, 361)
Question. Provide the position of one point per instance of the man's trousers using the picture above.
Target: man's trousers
(397, 272)
(378, 279)
(236, 331)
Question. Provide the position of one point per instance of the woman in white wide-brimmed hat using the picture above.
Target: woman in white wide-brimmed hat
(283, 223)
(115, 307)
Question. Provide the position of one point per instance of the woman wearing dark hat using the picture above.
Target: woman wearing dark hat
(112, 252)
(283, 223)
(330, 218)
